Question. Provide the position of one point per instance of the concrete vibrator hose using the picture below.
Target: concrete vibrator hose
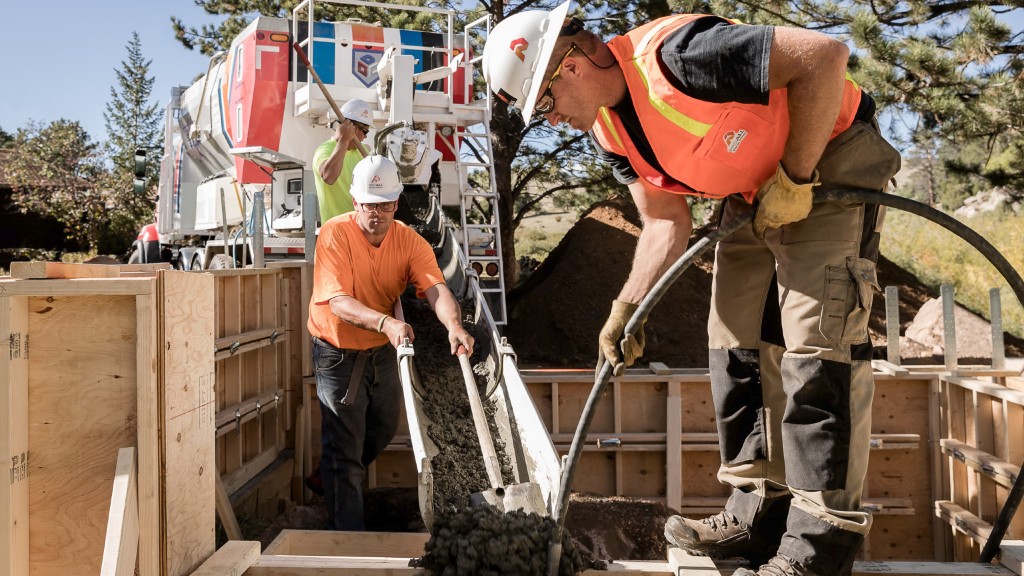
(851, 196)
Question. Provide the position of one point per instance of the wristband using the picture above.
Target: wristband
(380, 323)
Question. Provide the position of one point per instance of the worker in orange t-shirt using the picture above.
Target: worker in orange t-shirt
(364, 261)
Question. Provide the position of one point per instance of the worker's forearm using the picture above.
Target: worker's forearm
(661, 243)
(331, 168)
(355, 313)
(448, 311)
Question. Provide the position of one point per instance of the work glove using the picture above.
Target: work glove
(609, 343)
(782, 201)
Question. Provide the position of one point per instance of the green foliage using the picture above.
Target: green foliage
(132, 119)
(55, 171)
(536, 244)
(938, 257)
(6, 139)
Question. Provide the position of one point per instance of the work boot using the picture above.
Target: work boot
(779, 565)
(720, 536)
(724, 535)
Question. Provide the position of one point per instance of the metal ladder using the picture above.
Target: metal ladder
(481, 234)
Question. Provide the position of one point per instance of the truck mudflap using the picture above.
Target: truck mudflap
(528, 445)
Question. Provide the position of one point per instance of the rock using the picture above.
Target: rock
(973, 333)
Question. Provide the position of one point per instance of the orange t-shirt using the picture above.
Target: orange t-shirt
(347, 264)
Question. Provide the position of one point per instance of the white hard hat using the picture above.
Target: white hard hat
(375, 179)
(357, 111)
(516, 55)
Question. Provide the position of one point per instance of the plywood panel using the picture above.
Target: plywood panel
(15, 457)
(644, 406)
(644, 474)
(900, 407)
(76, 427)
(395, 469)
(700, 475)
(541, 395)
(595, 473)
(698, 408)
(900, 538)
(187, 301)
(572, 397)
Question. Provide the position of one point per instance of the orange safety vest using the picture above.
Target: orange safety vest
(715, 148)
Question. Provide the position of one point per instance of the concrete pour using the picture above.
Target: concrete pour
(467, 540)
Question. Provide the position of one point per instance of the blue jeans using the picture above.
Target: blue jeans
(356, 432)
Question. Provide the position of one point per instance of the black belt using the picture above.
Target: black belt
(357, 367)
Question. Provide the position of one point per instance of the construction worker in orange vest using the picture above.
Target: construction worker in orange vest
(761, 117)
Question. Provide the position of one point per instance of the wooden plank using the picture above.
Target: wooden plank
(14, 438)
(122, 543)
(373, 566)
(938, 425)
(1002, 472)
(1011, 555)
(673, 454)
(988, 508)
(186, 304)
(232, 559)
(80, 287)
(963, 521)
(147, 398)
(143, 268)
(329, 543)
(226, 513)
(889, 368)
(82, 399)
(684, 564)
(249, 470)
(30, 270)
(926, 568)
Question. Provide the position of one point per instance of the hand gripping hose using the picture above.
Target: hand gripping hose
(850, 196)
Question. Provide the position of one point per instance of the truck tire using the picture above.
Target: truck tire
(221, 262)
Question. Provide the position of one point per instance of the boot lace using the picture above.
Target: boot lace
(721, 521)
(782, 566)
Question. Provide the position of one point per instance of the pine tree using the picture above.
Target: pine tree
(132, 120)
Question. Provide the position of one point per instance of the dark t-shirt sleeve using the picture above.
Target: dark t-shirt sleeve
(709, 59)
(715, 61)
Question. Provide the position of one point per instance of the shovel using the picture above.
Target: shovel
(526, 496)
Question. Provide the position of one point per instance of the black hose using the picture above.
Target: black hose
(706, 243)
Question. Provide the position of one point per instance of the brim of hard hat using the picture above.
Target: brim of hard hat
(553, 26)
(369, 198)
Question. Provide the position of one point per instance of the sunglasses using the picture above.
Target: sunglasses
(546, 102)
(379, 206)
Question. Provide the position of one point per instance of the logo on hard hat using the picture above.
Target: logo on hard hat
(375, 182)
(519, 46)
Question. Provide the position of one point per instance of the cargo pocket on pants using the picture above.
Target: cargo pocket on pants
(846, 301)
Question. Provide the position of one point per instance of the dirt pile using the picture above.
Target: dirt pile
(557, 314)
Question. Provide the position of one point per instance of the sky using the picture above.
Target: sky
(64, 66)
(61, 56)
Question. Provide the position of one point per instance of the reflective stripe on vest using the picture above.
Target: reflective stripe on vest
(717, 149)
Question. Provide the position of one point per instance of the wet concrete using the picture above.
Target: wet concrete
(482, 541)
(467, 540)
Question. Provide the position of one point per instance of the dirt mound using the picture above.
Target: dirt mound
(557, 314)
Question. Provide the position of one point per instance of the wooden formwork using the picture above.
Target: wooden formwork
(981, 427)
(95, 365)
(653, 436)
(252, 340)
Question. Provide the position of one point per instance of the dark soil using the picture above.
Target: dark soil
(557, 314)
